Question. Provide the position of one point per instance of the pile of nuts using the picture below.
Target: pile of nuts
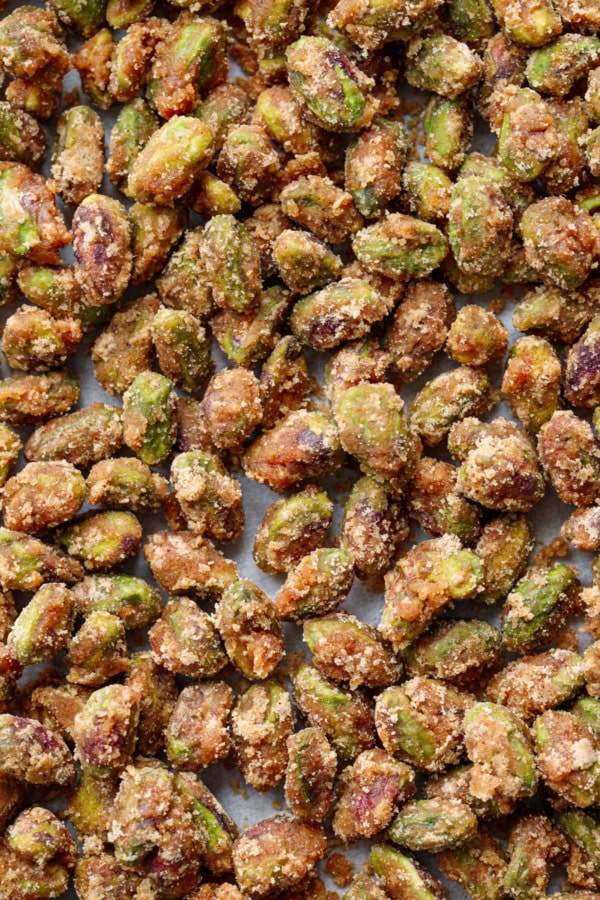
(288, 214)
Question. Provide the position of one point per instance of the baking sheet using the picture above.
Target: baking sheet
(243, 803)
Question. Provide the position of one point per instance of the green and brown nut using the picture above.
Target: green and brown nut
(317, 204)
(533, 684)
(434, 501)
(197, 733)
(98, 651)
(232, 408)
(34, 341)
(400, 247)
(209, 497)
(232, 263)
(185, 640)
(433, 825)
(532, 381)
(460, 651)
(101, 541)
(561, 241)
(43, 627)
(101, 244)
(421, 723)
(149, 424)
(78, 154)
(261, 723)
(310, 774)
(126, 482)
(26, 562)
(22, 139)
(32, 753)
(476, 337)
(479, 866)
(30, 223)
(42, 496)
(372, 526)
(82, 438)
(537, 607)
(292, 528)
(567, 757)
(569, 453)
(246, 619)
(186, 563)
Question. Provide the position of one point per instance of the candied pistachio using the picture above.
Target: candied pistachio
(434, 501)
(93, 61)
(529, 23)
(248, 163)
(480, 226)
(81, 438)
(182, 347)
(153, 829)
(419, 328)
(479, 866)
(427, 190)
(30, 223)
(165, 168)
(291, 528)
(58, 291)
(134, 126)
(83, 17)
(156, 692)
(332, 89)
(438, 62)
(370, 791)
(26, 563)
(476, 337)
(343, 311)
(400, 247)
(317, 204)
(271, 26)
(43, 628)
(149, 425)
(43, 495)
(191, 429)
(32, 45)
(569, 454)
(582, 528)
(22, 139)
(247, 338)
(370, 26)
(460, 651)
(33, 340)
(55, 705)
(197, 733)
(252, 636)
(450, 397)
(499, 465)
(103, 540)
(31, 398)
(567, 170)
(210, 499)
(124, 349)
(78, 153)
(98, 651)
(10, 446)
(231, 259)
(346, 717)
(224, 106)
(302, 446)
(217, 831)
(471, 21)
(213, 197)
(316, 585)
(567, 757)
(537, 606)
(352, 364)
(310, 774)
(279, 113)
(581, 829)
(101, 244)
(126, 482)
(185, 641)
(504, 547)
(32, 97)
(134, 601)
(346, 649)
(285, 383)
(372, 527)
(532, 380)
(533, 684)
(189, 60)
(421, 723)
(448, 126)
(232, 408)
(373, 166)
(527, 139)
(499, 746)
(556, 67)
(304, 262)
(98, 875)
(433, 825)
(373, 427)
(404, 878)
(38, 835)
(261, 722)
(183, 562)
(154, 233)
(561, 241)
(133, 57)
(424, 581)
(581, 382)
(276, 854)
(32, 753)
